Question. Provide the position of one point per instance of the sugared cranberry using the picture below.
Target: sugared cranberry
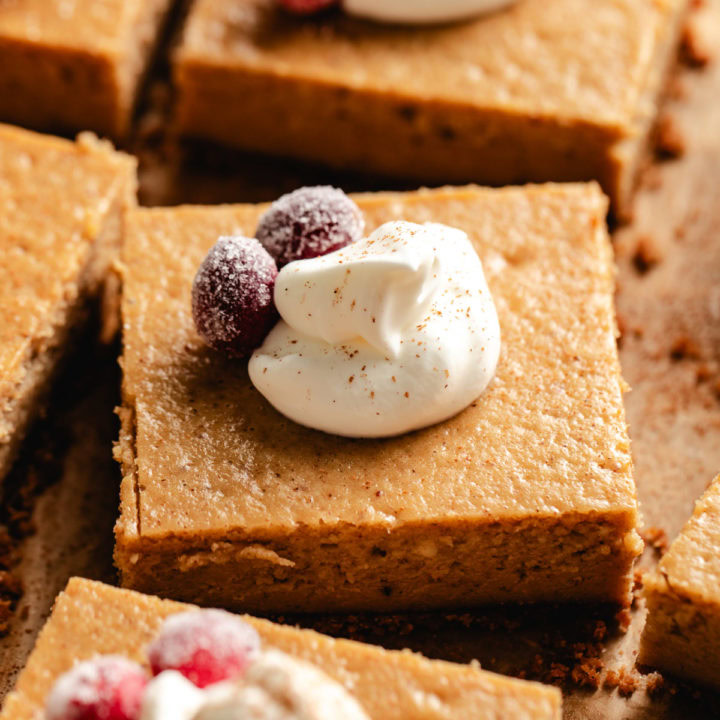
(307, 7)
(109, 687)
(232, 296)
(206, 646)
(309, 222)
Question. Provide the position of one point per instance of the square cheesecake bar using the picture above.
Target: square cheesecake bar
(682, 631)
(69, 66)
(62, 205)
(90, 618)
(527, 495)
(561, 90)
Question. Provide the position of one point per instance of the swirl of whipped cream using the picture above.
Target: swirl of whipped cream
(410, 12)
(393, 333)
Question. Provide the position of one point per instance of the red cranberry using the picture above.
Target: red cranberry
(109, 687)
(309, 222)
(232, 296)
(307, 7)
(206, 646)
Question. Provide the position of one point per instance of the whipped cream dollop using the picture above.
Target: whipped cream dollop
(275, 687)
(392, 333)
(422, 11)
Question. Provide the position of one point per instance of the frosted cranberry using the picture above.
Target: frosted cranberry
(109, 687)
(309, 222)
(307, 7)
(232, 296)
(206, 646)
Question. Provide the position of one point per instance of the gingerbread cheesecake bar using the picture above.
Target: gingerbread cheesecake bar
(90, 618)
(534, 92)
(682, 632)
(61, 217)
(526, 495)
(71, 66)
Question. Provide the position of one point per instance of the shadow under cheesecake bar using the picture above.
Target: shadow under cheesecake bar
(682, 631)
(90, 618)
(527, 495)
(67, 67)
(62, 206)
(565, 90)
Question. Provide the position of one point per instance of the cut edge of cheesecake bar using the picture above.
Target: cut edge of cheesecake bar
(103, 78)
(90, 618)
(682, 629)
(43, 358)
(583, 555)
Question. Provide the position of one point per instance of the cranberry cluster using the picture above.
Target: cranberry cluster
(232, 297)
(206, 646)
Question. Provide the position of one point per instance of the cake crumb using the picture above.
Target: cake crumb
(669, 142)
(693, 51)
(626, 681)
(654, 684)
(587, 673)
(647, 254)
(684, 347)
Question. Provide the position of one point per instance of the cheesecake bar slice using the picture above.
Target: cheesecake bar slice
(526, 495)
(564, 90)
(61, 216)
(682, 632)
(90, 618)
(69, 66)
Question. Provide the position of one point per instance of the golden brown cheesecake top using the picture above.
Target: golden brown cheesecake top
(101, 25)
(90, 618)
(691, 568)
(577, 60)
(547, 439)
(54, 196)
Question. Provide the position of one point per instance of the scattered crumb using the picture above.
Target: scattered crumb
(657, 538)
(684, 347)
(647, 254)
(654, 684)
(669, 142)
(627, 681)
(587, 673)
(693, 51)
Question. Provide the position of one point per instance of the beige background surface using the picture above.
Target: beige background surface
(670, 350)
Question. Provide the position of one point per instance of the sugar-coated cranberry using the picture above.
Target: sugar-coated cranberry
(206, 646)
(108, 687)
(232, 296)
(307, 7)
(308, 222)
